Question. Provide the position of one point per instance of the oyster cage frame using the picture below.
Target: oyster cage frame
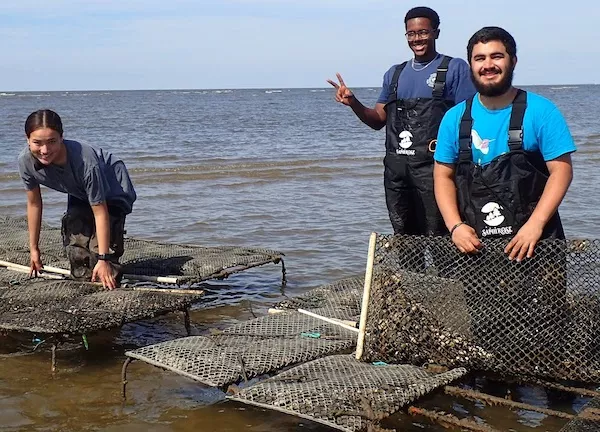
(474, 307)
(144, 260)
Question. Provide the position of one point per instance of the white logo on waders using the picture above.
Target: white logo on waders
(494, 218)
(405, 143)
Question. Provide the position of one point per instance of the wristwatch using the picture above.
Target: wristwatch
(105, 257)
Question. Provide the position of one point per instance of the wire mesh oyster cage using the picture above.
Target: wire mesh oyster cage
(343, 393)
(248, 349)
(587, 420)
(190, 263)
(340, 299)
(162, 262)
(425, 302)
(68, 307)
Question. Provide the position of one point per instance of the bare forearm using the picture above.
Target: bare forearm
(369, 116)
(463, 236)
(34, 222)
(554, 192)
(102, 221)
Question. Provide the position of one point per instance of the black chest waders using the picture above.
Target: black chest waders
(411, 131)
(81, 242)
(498, 198)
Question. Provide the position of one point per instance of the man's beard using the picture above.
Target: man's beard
(497, 89)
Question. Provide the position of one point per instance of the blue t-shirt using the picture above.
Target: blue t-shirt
(544, 130)
(416, 80)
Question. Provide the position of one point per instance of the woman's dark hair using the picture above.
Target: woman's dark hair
(488, 34)
(43, 119)
(423, 12)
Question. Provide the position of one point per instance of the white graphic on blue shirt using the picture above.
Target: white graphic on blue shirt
(483, 145)
(431, 79)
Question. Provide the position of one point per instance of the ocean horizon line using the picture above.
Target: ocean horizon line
(5, 92)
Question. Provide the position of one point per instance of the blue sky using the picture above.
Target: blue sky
(177, 44)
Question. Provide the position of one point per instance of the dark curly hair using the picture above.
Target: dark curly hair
(423, 12)
(488, 34)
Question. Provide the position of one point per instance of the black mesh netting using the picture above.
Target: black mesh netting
(193, 263)
(539, 317)
(248, 349)
(337, 390)
(344, 393)
(8, 277)
(588, 420)
(340, 299)
(14, 243)
(142, 257)
(52, 307)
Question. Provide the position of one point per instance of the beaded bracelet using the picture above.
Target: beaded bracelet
(456, 226)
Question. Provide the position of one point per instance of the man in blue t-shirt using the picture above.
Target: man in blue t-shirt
(414, 97)
(503, 157)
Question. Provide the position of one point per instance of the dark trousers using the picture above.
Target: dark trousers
(410, 197)
(413, 211)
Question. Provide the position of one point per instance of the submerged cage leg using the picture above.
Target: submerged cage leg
(577, 390)
(124, 378)
(186, 321)
(283, 274)
(53, 367)
(446, 420)
(56, 341)
(494, 400)
(242, 368)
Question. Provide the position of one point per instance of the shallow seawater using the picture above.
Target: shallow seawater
(291, 171)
